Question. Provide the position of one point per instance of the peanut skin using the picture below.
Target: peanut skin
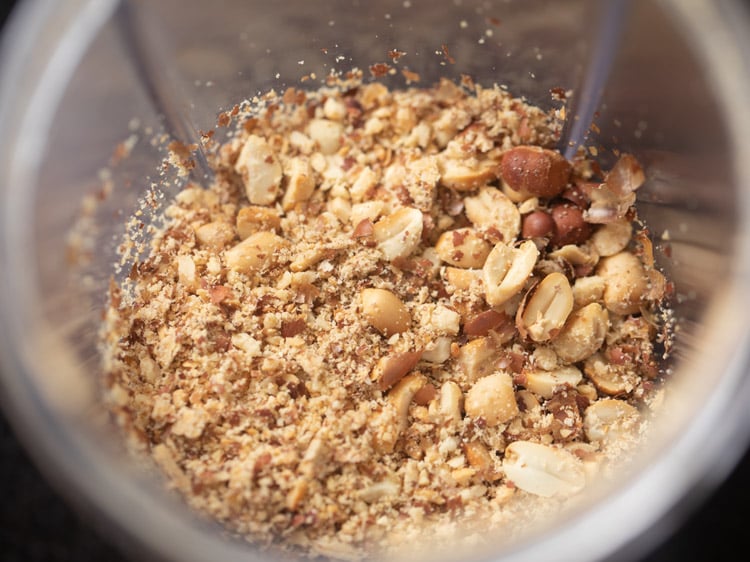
(535, 170)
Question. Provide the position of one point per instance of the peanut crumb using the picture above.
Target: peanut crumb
(375, 347)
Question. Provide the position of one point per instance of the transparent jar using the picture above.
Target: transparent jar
(76, 74)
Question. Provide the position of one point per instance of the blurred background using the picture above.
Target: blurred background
(36, 524)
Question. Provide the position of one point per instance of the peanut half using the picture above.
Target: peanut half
(257, 252)
(384, 311)
(492, 208)
(583, 333)
(543, 470)
(399, 234)
(546, 308)
(462, 247)
(506, 270)
(625, 282)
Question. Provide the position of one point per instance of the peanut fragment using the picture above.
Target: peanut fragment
(334, 109)
(611, 200)
(260, 170)
(300, 182)
(492, 399)
(365, 182)
(326, 133)
(462, 279)
(480, 459)
(583, 333)
(444, 320)
(611, 421)
(393, 368)
(297, 494)
(307, 258)
(214, 235)
(612, 238)
(401, 396)
(546, 383)
(583, 255)
(256, 219)
(625, 282)
(186, 273)
(388, 428)
(506, 270)
(398, 234)
(384, 311)
(528, 401)
(369, 210)
(543, 470)
(492, 208)
(256, 253)
(610, 378)
(425, 395)
(462, 248)
(545, 312)
(451, 402)
(484, 322)
(455, 174)
(438, 351)
(421, 181)
(388, 487)
(477, 358)
(587, 290)
(535, 170)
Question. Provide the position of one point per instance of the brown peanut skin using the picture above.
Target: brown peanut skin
(570, 228)
(534, 170)
(538, 225)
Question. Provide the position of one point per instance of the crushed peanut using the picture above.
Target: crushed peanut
(387, 313)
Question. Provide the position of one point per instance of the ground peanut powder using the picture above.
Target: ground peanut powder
(389, 311)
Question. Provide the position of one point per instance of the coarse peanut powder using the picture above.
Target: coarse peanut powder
(390, 311)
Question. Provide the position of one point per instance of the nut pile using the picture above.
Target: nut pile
(390, 310)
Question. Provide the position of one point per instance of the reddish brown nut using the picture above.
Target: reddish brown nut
(364, 229)
(482, 323)
(625, 176)
(535, 170)
(570, 228)
(425, 395)
(393, 368)
(538, 225)
(576, 194)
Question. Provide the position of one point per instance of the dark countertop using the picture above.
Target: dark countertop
(36, 525)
